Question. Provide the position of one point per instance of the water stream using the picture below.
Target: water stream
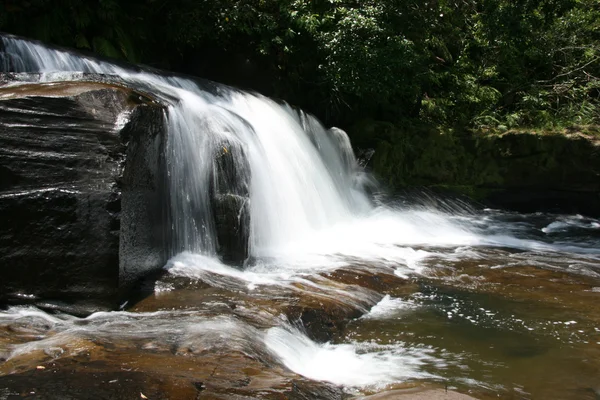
(487, 302)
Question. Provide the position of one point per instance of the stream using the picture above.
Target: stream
(491, 316)
(344, 294)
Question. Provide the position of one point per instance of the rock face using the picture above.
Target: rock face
(230, 196)
(526, 171)
(80, 191)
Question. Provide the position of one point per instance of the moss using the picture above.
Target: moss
(478, 163)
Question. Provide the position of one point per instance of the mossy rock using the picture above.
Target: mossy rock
(478, 164)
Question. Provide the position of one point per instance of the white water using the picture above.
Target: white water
(309, 215)
(301, 175)
(351, 365)
(307, 202)
(390, 307)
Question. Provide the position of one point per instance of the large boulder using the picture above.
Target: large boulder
(81, 187)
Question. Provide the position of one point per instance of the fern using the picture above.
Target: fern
(125, 44)
(82, 18)
(104, 47)
(81, 42)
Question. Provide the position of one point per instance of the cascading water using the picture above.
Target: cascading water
(303, 193)
(302, 177)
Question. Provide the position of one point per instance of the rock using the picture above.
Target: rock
(322, 305)
(419, 394)
(232, 220)
(116, 369)
(80, 188)
(230, 197)
(521, 170)
(143, 186)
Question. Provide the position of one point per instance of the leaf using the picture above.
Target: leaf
(104, 47)
(81, 42)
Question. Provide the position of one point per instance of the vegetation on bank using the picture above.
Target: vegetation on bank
(450, 63)
(479, 164)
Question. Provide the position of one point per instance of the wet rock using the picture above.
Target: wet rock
(383, 281)
(419, 394)
(322, 309)
(306, 390)
(232, 219)
(65, 384)
(108, 374)
(79, 191)
(322, 325)
(521, 170)
(230, 196)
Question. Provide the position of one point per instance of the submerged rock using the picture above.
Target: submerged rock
(80, 190)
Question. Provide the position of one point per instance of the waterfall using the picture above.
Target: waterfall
(334, 288)
(280, 166)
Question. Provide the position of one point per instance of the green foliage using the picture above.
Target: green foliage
(449, 63)
(106, 27)
(547, 58)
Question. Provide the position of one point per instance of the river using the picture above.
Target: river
(344, 294)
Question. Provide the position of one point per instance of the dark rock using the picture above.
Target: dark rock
(79, 163)
(66, 384)
(105, 374)
(143, 197)
(524, 171)
(546, 200)
(231, 201)
(232, 220)
(303, 390)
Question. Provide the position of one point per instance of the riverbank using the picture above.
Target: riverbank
(523, 170)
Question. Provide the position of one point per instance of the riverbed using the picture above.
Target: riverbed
(497, 305)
